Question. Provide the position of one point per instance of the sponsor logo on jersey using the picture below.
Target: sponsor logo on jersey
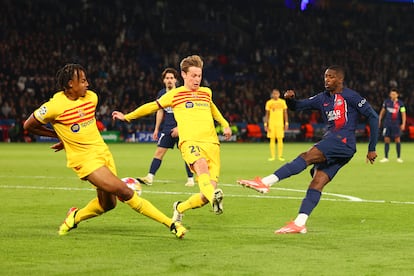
(333, 115)
(75, 128)
(189, 105)
(362, 102)
(168, 109)
(391, 110)
(202, 104)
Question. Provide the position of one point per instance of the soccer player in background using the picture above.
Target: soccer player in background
(195, 113)
(340, 108)
(276, 123)
(167, 136)
(71, 112)
(393, 113)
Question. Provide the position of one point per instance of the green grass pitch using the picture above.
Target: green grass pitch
(362, 226)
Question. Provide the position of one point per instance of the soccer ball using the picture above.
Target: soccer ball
(133, 184)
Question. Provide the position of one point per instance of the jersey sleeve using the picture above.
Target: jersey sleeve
(148, 108)
(166, 100)
(94, 98)
(402, 107)
(218, 116)
(267, 106)
(306, 104)
(364, 108)
(143, 110)
(46, 112)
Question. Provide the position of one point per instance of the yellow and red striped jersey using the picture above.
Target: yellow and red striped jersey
(194, 112)
(74, 123)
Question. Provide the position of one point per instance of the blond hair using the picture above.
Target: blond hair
(191, 61)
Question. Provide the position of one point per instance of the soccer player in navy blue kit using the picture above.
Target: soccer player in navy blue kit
(340, 108)
(394, 123)
(165, 131)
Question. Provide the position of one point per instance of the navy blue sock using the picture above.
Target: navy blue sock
(398, 146)
(310, 201)
(189, 172)
(155, 165)
(386, 149)
(291, 168)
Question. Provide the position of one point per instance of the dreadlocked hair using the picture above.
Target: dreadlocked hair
(66, 73)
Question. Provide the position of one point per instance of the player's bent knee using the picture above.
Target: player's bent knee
(125, 194)
(107, 203)
(109, 206)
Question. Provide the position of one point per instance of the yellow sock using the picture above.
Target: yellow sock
(272, 148)
(146, 208)
(194, 201)
(206, 188)
(92, 209)
(280, 147)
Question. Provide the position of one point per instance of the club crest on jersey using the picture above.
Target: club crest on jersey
(75, 128)
(189, 105)
(81, 113)
(339, 102)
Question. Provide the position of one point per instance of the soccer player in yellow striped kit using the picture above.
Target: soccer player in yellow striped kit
(71, 112)
(195, 113)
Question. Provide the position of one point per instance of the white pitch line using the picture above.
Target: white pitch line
(350, 198)
(342, 198)
(38, 176)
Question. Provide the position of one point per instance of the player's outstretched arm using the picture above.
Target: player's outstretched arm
(141, 111)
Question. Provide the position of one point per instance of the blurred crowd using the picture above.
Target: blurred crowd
(124, 46)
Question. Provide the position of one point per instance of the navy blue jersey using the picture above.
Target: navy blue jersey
(341, 112)
(393, 112)
(169, 121)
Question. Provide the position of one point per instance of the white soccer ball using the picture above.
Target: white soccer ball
(133, 184)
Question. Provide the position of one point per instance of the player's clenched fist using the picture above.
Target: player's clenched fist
(289, 94)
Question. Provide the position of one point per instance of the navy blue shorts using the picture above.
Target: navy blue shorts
(167, 141)
(391, 131)
(337, 154)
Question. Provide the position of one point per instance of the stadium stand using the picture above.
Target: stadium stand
(125, 44)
